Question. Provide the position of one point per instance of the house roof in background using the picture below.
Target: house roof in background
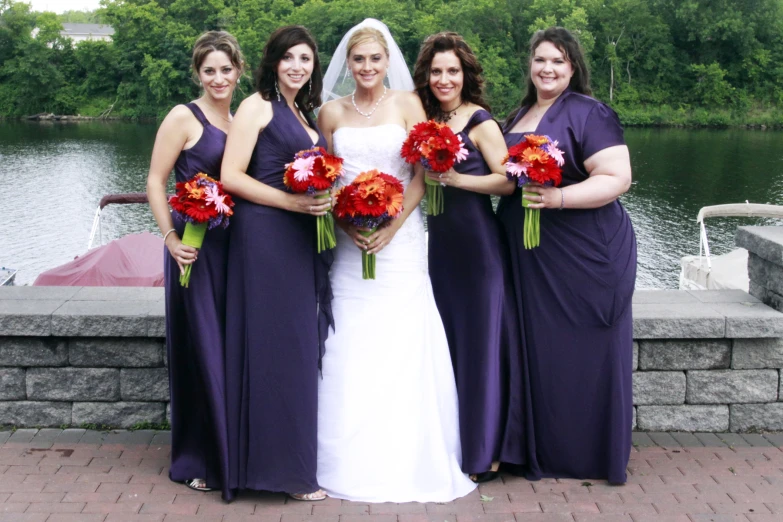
(93, 29)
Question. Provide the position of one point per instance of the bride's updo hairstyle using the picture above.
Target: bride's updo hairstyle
(366, 35)
(308, 97)
(473, 83)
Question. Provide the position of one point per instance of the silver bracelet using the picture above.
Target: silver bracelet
(167, 234)
(562, 200)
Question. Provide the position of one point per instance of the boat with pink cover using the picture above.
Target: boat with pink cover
(132, 260)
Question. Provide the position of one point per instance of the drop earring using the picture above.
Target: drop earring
(310, 87)
(277, 90)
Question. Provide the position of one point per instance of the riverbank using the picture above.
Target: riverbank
(668, 116)
(663, 116)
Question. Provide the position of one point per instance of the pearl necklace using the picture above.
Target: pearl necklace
(367, 114)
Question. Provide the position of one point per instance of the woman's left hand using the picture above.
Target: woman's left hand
(449, 178)
(546, 197)
(381, 238)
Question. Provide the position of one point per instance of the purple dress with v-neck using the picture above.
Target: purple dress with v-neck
(194, 335)
(469, 269)
(574, 300)
(272, 335)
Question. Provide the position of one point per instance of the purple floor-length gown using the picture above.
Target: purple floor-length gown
(468, 262)
(574, 294)
(194, 335)
(272, 335)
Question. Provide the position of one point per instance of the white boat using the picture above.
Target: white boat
(7, 276)
(727, 271)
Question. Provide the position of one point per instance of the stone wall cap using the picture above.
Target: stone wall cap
(722, 296)
(123, 293)
(102, 319)
(765, 242)
(663, 297)
(677, 321)
(38, 293)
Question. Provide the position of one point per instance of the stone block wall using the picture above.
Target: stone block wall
(703, 361)
(706, 361)
(765, 262)
(76, 356)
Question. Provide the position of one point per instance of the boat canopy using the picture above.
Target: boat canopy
(740, 210)
(132, 260)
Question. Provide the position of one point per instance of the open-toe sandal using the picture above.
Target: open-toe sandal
(487, 476)
(197, 484)
(315, 496)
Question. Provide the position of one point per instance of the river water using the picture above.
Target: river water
(57, 172)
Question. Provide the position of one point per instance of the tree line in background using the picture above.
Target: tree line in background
(699, 62)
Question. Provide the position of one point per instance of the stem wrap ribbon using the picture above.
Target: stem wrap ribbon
(193, 237)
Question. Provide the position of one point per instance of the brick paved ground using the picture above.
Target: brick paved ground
(76, 475)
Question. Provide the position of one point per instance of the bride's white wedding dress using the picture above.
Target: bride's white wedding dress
(388, 428)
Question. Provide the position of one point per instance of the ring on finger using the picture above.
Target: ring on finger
(541, 198)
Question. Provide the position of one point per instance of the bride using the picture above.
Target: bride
(387, 404)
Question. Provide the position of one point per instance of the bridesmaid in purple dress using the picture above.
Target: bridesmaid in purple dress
(274, 276)
(574, 290)
(191, 140)
(468, 259)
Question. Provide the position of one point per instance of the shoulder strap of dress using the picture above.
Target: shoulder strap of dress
(478, 117)
(197, 112)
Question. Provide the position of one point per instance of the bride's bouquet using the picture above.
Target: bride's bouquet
(536, 159)
(371, 200)
(437, 148)
(203, 205)
(314, 170)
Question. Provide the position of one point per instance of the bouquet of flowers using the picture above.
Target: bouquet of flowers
(437, 148)
(311, 171)
(202, 204)
(374, 198)
(536, 159)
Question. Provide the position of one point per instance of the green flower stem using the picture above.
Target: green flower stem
(368, 260)
(531, 234)
(325, 229)
(434, 191)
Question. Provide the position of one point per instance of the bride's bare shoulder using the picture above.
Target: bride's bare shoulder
(410, 105)
(331, 112)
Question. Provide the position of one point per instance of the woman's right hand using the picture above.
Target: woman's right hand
(355, 233)
(311, 204)
(184, 255)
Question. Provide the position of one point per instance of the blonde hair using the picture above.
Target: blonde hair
(217, 41)
(364, 35)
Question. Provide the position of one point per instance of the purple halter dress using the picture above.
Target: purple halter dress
(469, 269)
(275, 317)
(574, 297)
(195, 320)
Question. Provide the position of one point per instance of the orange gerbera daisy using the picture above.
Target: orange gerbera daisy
(536, 140)
(365, 176)
(332, 165)
(393, 199)
(371, 186)
(533, 155)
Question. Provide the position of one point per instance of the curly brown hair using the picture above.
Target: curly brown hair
(473, 82)
(280, 41)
